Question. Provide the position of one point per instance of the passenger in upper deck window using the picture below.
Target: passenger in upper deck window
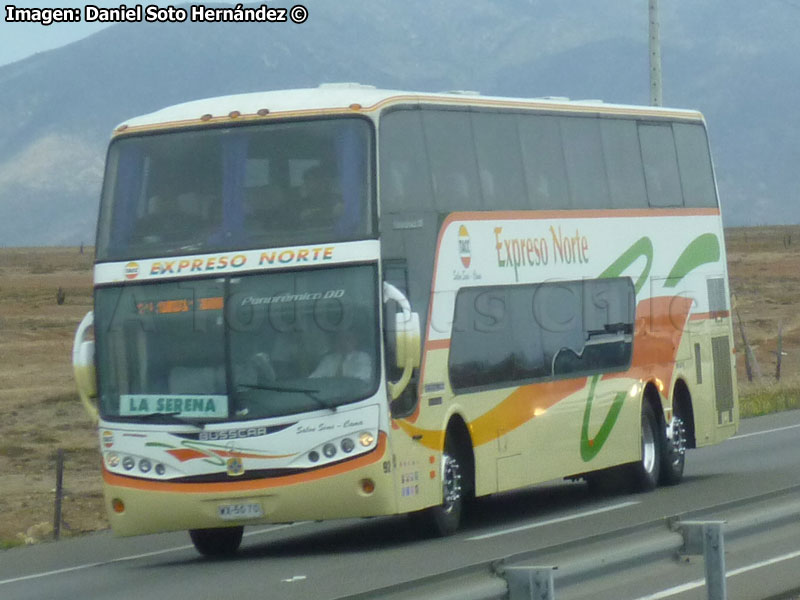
(320, 198)
(267, 209)
(168, 219)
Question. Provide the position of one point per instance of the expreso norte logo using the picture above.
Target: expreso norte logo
(557, 248)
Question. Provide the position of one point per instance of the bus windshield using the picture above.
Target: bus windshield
(238, 348)
(253, 186)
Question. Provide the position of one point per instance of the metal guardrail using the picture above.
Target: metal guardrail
(540, 574)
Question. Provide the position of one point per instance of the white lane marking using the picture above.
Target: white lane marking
(571, 517)
(747, 435)
(294, 579)
(126, 558)
(678, 589)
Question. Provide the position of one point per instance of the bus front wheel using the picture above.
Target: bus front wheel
(444, 519)
(217, 542)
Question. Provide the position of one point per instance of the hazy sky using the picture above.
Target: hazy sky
(19, 40)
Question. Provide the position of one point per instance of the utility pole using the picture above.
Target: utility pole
(655, 56)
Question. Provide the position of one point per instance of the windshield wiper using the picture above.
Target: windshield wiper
(169, 417)
(279, 388)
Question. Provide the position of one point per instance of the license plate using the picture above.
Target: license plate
(235, 512)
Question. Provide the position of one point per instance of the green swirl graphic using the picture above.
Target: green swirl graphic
(591, 447)
(703, 249)
(644, 247)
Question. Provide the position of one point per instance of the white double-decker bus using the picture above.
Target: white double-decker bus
(345, 302)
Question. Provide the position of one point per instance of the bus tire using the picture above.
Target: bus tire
(646, 472)
(217, 542)
(444, 519)
(674, 455)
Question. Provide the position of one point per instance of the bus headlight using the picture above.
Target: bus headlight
(329, 450)
(366, 439)
(347, 445)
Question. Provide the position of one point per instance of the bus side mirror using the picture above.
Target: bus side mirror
(83, 366)
(407, 339)
(407, 333)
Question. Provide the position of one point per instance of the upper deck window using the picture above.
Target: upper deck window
(258, 186)
(459, 159)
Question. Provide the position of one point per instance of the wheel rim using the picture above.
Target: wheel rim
(648, 446)
(451, 483)
(677, 441)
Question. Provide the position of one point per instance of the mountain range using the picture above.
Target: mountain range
(734, 60)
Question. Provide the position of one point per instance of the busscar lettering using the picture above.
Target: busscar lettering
(233, 434)
(43, 16)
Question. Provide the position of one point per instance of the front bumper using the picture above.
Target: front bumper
(138, 506)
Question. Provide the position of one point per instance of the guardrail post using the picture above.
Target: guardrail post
(707, 538)
(530, 583)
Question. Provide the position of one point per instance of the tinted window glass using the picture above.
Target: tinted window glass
(543, 157)
(623, 160)
(660, 165)
(504, 335)
(405, 176)
(586, 172)
(499, 161)
(255, 186)
(694, 160)
(238, 348)
(451, 155)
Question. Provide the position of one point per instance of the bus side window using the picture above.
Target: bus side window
(405, 174)
(499, 157)
(452, 160)
(660, 165)
(543, 159)
(510, 334)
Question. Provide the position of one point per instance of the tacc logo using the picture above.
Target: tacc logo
(464, 252)
(132, 270)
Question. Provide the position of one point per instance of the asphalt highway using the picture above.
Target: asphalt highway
(325, 561)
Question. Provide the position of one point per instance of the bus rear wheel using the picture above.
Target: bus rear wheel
(646, 471)
(217, 542)
(674, 456)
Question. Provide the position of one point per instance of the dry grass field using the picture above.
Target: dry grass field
(39, 407)
(764, 271)
(40, 411)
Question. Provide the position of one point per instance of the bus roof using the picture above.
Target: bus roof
(351, 97)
